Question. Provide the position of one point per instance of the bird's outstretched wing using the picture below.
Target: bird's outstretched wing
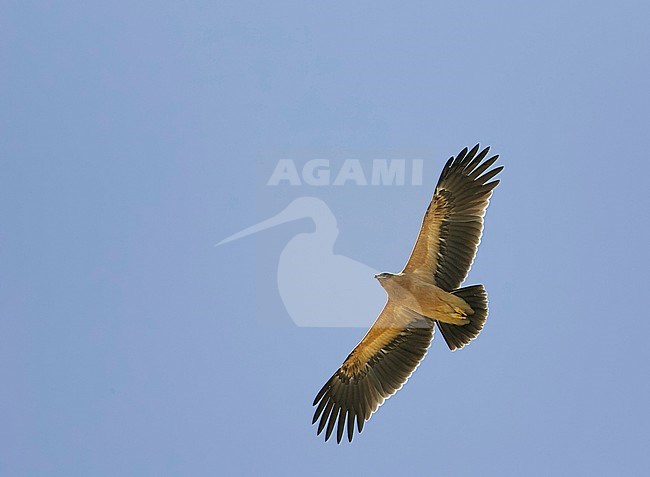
(453, 224)
(379, 365)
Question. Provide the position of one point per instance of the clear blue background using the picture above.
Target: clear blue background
(129, 345)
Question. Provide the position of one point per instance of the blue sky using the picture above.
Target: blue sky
(137, 137)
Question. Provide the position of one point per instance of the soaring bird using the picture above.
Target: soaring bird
(426, 293)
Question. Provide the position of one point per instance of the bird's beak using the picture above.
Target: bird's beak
(281, 218)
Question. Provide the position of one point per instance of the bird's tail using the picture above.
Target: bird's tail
(458, 336)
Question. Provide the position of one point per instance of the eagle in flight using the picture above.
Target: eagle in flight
(427, 292)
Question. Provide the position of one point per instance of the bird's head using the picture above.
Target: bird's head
(384, 276)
